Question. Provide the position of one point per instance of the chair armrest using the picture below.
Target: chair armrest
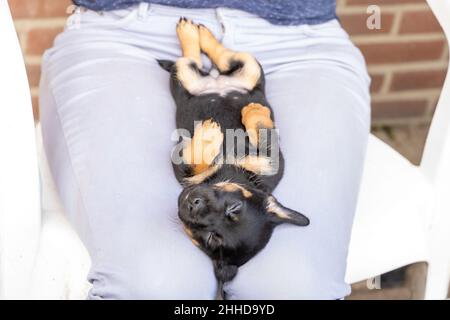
(19, 178)
(436, 155)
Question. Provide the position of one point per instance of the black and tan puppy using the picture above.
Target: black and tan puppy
(226, 205)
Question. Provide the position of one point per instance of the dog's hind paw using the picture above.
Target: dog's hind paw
(189, 37)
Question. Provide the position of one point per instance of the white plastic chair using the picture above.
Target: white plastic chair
(19, 182)
(403, 214)
(40, 255)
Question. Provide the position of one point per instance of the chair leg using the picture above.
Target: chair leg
(438, 279)
(438, 275)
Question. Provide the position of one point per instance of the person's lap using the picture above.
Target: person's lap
(323, 137)
(116, 119)
(107, 118)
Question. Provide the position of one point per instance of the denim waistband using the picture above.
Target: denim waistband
(143, 10)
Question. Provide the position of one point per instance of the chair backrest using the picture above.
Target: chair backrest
(436, 157)
(19, 178)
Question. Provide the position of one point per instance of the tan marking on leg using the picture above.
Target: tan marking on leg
(188, 34)
(255, 116)
(205, 146)
(250, 73)
(232, 187)
(257, 164)
(199, 178)
(213, 48)
(189, 78)
(247, 76)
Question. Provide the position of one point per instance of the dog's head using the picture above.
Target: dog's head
(232, 223)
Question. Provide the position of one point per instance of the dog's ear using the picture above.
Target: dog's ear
(166, 64)
(224, 272)
(280, 214)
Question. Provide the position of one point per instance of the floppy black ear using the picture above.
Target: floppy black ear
(166, 64)
(280, 214)
(224, 272)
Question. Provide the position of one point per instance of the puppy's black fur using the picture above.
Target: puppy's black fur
(227, 208)
(225, 110)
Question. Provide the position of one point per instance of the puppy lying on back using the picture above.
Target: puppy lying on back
(229, 161)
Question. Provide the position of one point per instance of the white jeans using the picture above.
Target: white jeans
(107, 117)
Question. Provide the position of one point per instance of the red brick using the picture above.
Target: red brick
(34, 74)
(356, 24)
(416, 80)
(419, 22)
(376, 53)
(377, 82)
(38, 8)
(41, 39)
(399, 109)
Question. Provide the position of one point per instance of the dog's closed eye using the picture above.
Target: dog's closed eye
(232, 211)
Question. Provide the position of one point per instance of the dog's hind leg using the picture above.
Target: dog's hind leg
(188, 35)
(188, 66)
(242, 67)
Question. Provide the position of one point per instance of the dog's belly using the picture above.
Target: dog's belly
(221, 85)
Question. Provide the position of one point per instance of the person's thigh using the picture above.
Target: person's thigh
(107, 118)
(321, 108)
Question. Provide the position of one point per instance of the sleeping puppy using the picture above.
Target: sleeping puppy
(228, 160)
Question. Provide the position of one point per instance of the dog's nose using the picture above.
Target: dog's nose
(195, 204)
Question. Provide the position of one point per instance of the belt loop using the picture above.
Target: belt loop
(227, 26)
(143, 10)
(220, 18)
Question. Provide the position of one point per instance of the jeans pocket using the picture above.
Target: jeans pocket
(84, 18)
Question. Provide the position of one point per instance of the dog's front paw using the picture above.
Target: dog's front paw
(204, 147)
(255, 116)
(209, 138)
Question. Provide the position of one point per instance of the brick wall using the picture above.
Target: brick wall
(407, 57)
(37, 22)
